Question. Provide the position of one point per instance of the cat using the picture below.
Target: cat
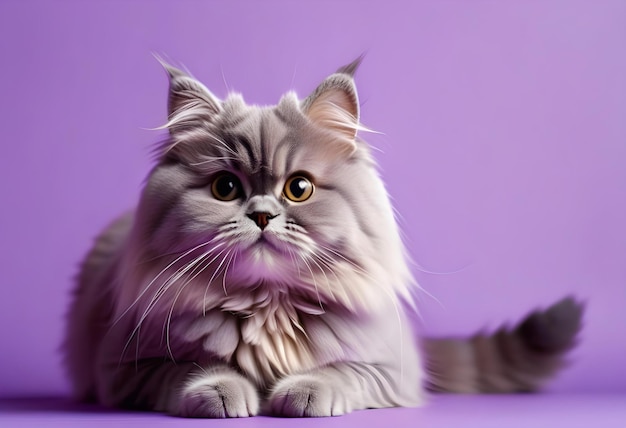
(263, 272)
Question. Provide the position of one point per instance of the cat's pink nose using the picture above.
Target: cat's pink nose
(261, 219)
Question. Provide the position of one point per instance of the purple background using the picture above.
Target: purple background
(503, 147)
(444, 411)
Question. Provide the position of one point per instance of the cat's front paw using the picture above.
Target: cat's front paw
(219, 395)
(307, 395)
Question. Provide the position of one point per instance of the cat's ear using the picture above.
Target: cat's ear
(186, 93)
(334, 105)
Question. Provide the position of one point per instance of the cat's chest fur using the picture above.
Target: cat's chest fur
(267, 334)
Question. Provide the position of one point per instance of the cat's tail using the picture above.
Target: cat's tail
(518, 359)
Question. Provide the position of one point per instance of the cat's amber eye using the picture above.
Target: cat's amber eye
(226, 187)
(298, 188)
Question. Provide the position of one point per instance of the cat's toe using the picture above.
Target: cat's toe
(219, 396)
(306, 396)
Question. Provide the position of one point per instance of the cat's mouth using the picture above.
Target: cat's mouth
(265, 241)
(267, 258)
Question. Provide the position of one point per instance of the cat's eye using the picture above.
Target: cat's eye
(226, 187)
(298, 188)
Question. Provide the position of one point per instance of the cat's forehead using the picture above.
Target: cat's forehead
(253, 120)
(265, 138)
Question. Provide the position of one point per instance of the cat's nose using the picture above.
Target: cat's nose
(261, 219)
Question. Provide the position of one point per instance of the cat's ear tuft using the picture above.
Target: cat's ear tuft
(187, 93)
(334, 105)
(350, 69)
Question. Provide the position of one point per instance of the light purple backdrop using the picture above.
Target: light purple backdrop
(503, 147)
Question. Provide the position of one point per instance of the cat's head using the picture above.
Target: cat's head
(284, 196)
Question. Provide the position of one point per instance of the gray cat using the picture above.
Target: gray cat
(263, 271)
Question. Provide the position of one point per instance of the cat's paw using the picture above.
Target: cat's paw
(219, 395)
(307, 395)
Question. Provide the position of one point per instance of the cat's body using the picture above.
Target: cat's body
(263, 270)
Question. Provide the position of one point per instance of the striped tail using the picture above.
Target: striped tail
(520, 359)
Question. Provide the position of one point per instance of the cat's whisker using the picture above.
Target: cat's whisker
(423, 290)
(328, 266)
(352, 265)
(206, 290)
(163, 288)
(376, 149)
(317, 291)
(160, 256)
(225, 146)
(293, 76)
(155, 298)
(177, 274)
(214, 159)
(185, 113)
(228, 89)
(399, 218)
(420, 268)
(341, 256)
(321, 269)
(201, 368)
(182, 287)
(169, 317)
(229, 257)
(145, 290)
(160, 292)
(231, 260)
(202, 269)
(332, 262)
(166, 325)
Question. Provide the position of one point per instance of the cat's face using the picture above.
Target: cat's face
(284, 194)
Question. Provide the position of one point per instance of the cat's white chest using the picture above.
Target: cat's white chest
(273, 344)
(266, 336)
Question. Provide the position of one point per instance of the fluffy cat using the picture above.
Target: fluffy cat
(262, 271)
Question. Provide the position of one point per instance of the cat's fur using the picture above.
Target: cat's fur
(201, 307)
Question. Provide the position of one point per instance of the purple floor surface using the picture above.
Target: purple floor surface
(501, 411)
